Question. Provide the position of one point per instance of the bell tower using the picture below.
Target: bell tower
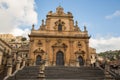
(59, 21)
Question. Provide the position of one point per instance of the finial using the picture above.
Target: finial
(60, 3)
(42, 22)
(33, 27)
(59, 10)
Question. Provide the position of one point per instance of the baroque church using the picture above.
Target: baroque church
(59, 41)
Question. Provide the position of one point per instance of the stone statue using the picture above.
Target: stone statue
(69, 13)
(33, 27)
(50, 12)
(42, 22)
(85, 28)
(76, 24)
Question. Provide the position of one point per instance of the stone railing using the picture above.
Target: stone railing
(12, 70)
(115, 69)
(108, 71)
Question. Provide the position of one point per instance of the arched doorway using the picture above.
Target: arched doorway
(81, 61)
(38, 59)
(59, 58)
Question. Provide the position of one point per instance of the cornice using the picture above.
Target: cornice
(59, 36)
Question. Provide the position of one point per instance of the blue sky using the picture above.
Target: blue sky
(102, 18)
(89, 12)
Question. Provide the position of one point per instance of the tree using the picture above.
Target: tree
(23, 39)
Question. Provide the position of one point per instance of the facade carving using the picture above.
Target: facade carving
(59, 41)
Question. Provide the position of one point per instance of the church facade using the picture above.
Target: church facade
(59, 41)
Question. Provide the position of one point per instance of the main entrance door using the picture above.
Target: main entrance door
(38, 59)
(60, 58)
(81, 61)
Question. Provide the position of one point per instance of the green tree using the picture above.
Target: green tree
(23, 39)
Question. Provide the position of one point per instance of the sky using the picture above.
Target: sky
(102, 18)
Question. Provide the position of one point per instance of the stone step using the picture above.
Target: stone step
(59, 72)
(74, 73)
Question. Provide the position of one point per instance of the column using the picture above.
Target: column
(30, 63)
(65, 57)
(71, 52)
(9, 65)
(17, 65)
(9, 71)
(47, 52)
(53, 61)
(77, 63)
(87, 52)
(23, 63)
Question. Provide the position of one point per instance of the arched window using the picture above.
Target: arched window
(59, 27)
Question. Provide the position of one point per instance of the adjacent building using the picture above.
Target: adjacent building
(7, 37)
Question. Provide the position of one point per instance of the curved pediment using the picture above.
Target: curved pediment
(61, 45)
(59, 12)
(39, 50)
(80, 52)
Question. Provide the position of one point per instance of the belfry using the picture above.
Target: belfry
(59, 41)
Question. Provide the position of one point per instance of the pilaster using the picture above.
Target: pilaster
(17, 65)
(9, 71)
(87, 53)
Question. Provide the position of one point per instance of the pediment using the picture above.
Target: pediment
(59, 12)
(39, 50)
(62, 45)
(80, 52)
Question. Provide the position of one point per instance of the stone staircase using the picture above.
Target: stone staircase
(59, 73)
(74, 73)
(27, 73)
(3, 73)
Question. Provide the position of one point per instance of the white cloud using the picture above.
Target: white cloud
(19, 32)
(105, 44)
(115, 14)
(16, 13)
